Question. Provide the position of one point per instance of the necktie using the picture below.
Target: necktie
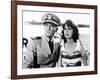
(51, 45)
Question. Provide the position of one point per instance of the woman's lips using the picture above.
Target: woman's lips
(67, 34)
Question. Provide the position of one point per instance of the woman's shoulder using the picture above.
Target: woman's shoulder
(62, 46)
(62, 42)
(77, 45)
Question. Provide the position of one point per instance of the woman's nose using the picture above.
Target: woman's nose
(67, 30)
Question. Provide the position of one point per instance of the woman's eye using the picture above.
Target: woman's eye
(68, 29)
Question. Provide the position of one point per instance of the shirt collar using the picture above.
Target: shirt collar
(49, 39)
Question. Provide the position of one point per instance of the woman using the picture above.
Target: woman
(72, 51)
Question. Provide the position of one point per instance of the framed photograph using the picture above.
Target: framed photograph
(33, 59)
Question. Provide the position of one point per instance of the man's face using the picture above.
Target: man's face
(50, 29)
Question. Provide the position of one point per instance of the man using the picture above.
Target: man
(44, 51)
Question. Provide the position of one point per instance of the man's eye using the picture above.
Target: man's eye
(46, 24)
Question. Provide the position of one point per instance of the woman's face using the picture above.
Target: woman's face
(68, 32)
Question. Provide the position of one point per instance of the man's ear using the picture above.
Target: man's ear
(56, 29)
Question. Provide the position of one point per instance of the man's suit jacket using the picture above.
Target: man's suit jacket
(39, 54)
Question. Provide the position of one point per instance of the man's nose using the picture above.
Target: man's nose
(49, 27)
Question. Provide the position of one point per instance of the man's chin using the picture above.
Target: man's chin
(49, 35)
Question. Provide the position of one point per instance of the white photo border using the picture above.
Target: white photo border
(21, 71)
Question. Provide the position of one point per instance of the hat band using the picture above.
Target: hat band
(51, 21)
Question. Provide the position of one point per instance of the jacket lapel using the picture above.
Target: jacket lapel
(55, 46)
(45, 47)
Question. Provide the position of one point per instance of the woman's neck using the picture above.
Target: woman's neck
(70, 40)
(70, 46)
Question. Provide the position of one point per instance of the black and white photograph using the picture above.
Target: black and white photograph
(59, 39)
(55, 39)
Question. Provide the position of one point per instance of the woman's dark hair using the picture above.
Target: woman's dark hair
(75, 35)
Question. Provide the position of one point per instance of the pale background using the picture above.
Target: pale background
(31, 30)
(5, 41)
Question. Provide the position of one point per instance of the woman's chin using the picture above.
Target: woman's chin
(68, 37)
